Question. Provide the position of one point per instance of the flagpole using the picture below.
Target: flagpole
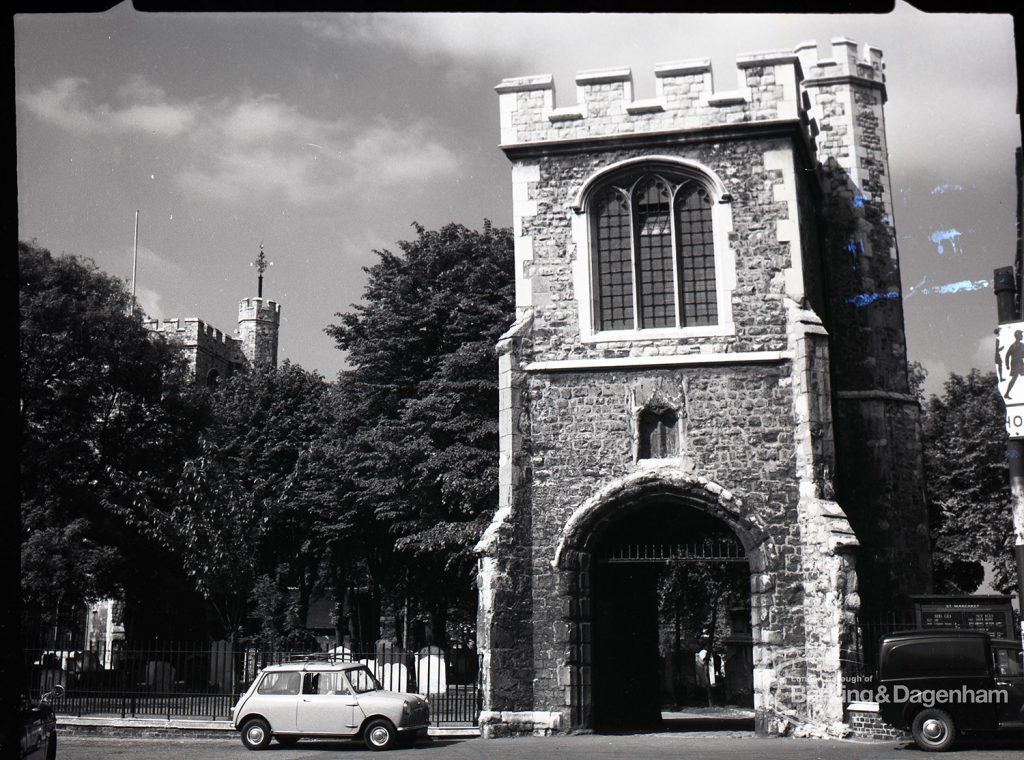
(135, 257)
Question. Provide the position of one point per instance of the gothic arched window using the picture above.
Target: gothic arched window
(653, 253)
(659, 433)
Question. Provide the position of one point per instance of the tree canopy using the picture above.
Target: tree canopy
(101, 404)
(968, 484)
(420, 405)
(242, 522)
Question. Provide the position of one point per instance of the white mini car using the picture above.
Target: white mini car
(325, 699)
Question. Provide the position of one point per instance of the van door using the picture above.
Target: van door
(1008, 675)
(326, 707)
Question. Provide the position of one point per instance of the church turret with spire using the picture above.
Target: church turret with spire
(211, 354)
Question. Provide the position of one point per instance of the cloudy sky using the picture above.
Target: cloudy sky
(325, 136)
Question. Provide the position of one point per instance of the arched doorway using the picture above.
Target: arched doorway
(670, 591)
(633, 557)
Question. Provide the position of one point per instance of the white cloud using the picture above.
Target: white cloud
(267, 118)
(150, 301)
(68, 104)
(937, 371)
(984, 357)
(252, 146)
(267, 148)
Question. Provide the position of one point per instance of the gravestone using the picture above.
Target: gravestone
(160, 675)
(391, 669)
(431, 671)
(221, 657)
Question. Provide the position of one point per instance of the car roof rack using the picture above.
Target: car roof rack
(313, 657)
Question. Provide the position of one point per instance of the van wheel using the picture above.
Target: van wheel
(934, 730)
(256, 734)
(380, 734)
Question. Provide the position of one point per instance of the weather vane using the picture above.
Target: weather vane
(261, 265)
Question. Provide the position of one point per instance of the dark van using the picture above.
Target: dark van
(943, 683)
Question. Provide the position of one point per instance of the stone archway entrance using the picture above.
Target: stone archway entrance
(670, 594)
(614, 555)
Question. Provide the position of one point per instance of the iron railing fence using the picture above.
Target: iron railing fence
(204, 679)
(860, 662)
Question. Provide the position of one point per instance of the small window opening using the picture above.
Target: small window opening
(659, 434)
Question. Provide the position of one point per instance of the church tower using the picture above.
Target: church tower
(707, 365)
(258, 322)
(212, 355)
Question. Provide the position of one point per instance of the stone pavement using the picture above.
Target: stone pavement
(113, 726)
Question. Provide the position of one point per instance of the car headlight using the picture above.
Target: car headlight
(406, 709)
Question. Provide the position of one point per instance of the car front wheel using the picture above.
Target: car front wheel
(380, 734)
(256, 734)
(934, 730)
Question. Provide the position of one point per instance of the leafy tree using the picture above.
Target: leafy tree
(968, 484)
(420, 401)
(696, 597)
(242, 522)
(101, 403)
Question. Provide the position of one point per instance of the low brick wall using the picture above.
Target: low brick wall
(865, 723)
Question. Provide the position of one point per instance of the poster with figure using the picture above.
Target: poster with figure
(1009, 368)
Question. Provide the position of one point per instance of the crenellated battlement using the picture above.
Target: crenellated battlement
(767, 89)
(188, 331)
(259, 308)
(848, 61)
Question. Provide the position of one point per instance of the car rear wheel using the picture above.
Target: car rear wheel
(256, 734)
(934, 730)
(380, 734)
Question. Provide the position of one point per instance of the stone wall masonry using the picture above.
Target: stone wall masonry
(504, 579)
(846, 95)
(795, 427)
(259, 321)
(739, 432)
(206, 348)
(879, 477)
(831, 601)
(881, 485)
(767, 90)
(553, 265)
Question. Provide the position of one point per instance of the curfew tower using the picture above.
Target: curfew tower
(695, 374)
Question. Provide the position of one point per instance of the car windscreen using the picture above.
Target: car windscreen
(363, 680)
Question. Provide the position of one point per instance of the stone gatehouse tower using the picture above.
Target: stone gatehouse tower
(709, 330)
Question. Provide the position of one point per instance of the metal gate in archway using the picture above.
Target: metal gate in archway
(644, 666)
